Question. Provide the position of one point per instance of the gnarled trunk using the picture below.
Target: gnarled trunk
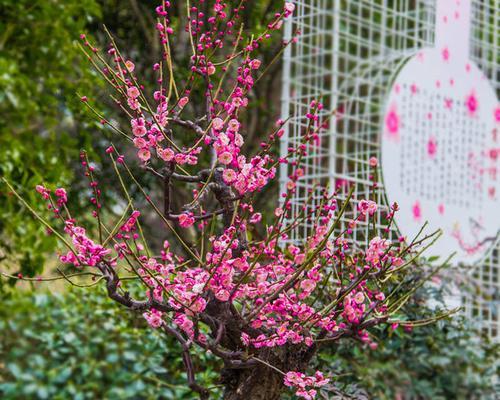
(260, 383)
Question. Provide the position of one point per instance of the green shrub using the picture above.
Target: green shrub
(445, 360)
(81, 346)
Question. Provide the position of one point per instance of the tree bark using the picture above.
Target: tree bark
(260, 383)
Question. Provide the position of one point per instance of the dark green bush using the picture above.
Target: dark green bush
(80, 345)
(445, 360)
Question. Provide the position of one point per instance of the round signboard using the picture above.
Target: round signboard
(440, 142)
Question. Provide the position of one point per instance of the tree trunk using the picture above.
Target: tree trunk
(264, 383)
(259, 383)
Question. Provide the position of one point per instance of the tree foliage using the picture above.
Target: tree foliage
(40, 73)
(43, 125)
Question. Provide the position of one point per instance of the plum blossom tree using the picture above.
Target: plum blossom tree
(234, 286)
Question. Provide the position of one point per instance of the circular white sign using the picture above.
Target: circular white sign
(441, 143)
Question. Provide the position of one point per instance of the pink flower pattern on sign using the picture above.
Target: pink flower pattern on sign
(441, 209)
(431, 147)
(417, 211)
(446, 54)
(392, 122)
(471, 103)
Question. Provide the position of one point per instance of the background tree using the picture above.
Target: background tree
(41, 69)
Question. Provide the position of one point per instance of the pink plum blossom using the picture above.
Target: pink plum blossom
(255, 64)
(130, 66)
(225, 158)
(138, 127)
(144, 154)
(305, 384)
(183, 101)
(229, 176)
(217, 124)
(289, 8)
(186, 220)
(133, 92)
(367, 207)
(154, 318)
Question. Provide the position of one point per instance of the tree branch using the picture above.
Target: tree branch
(188, 363)
(112, 284)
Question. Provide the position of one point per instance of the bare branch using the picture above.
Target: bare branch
(188, 363)
(112, 284)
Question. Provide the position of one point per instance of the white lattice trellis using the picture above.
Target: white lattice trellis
(347, 54)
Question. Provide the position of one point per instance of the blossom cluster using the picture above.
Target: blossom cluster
(279, 285)
(86, 252)
(303, 382)
(150, 124)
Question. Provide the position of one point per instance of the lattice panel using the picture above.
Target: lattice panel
(482, 304)
(346, 55)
